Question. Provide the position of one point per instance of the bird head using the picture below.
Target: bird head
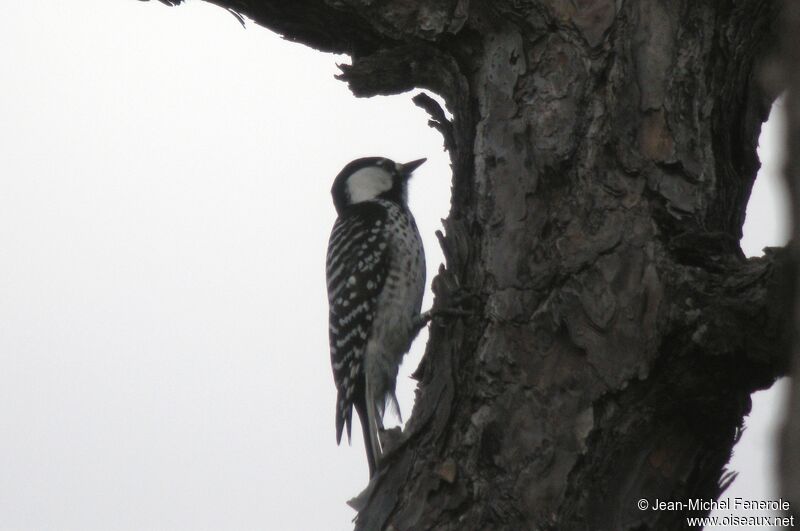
(371, 178)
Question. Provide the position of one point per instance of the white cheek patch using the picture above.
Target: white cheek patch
(368, 183)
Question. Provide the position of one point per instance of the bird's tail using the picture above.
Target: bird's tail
(343, 417)
(371, 440)
(344, 420)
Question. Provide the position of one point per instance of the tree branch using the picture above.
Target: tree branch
(740, 309)
(354, 27)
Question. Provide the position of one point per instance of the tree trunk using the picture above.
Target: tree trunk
(603, 153)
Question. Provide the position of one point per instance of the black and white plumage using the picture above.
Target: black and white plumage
(376, 279)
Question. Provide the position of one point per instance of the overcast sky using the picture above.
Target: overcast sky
(164, 215)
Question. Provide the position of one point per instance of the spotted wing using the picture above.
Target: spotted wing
(357, 266)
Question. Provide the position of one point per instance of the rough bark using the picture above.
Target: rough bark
(603, 153)
(790, 456)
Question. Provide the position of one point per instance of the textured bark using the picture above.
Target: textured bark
(603, 153)
(790, 456)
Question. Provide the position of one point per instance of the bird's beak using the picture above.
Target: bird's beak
(408, 168)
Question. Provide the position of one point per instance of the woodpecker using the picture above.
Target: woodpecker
(376, 278)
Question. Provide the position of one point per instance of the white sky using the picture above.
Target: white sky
(164, 214)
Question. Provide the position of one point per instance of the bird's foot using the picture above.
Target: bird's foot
(451, 311)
